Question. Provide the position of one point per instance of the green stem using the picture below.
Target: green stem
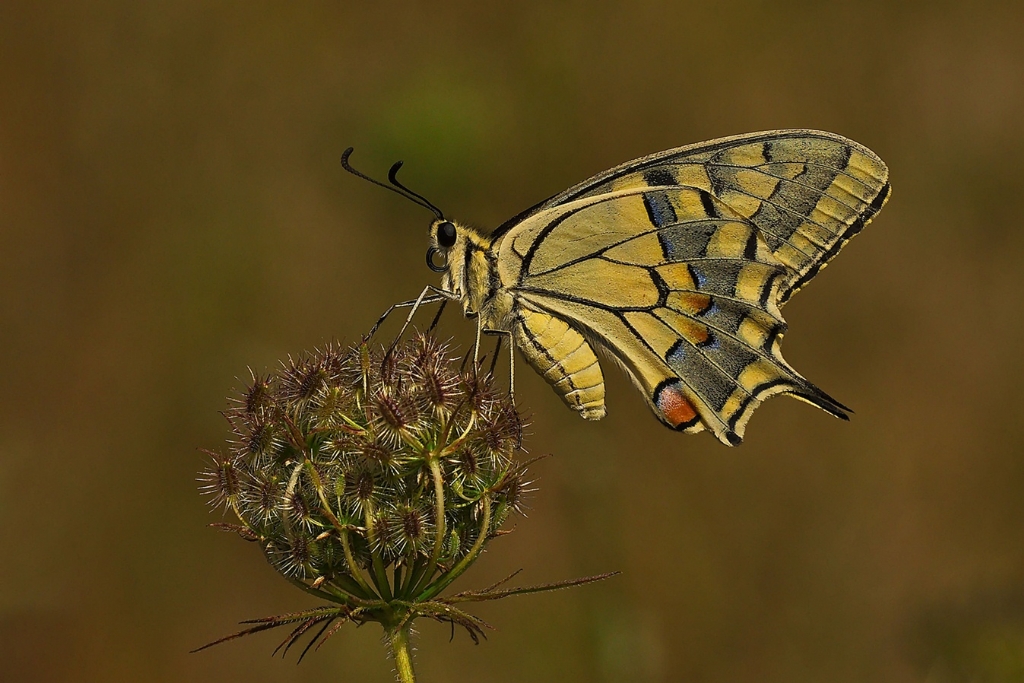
(401, 651)
(454, 445)
(435, 473)
(325, 508)
(346, 584)
(464, 564)
(412, 577)
(380, 579)
(293, 482)
(353, 568)
(398, 579)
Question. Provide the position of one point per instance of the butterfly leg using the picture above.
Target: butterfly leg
(437, 316)
(511, 369)
(438, 295)
(501, 334)
(476, 345)
(494, 357)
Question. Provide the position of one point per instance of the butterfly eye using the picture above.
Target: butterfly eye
(446, 234)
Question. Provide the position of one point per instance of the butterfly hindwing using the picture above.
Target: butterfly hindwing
(679, 287)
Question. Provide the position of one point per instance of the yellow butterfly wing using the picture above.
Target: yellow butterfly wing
(808, 192)
(652, 262)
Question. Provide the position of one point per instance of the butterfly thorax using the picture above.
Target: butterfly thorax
(471, 276)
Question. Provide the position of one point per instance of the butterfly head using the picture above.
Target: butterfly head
(459, 253)
(444, 236)
(450, 244)
(455, 250)
(443, 232)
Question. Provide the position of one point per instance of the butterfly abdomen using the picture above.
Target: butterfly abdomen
(564, 358)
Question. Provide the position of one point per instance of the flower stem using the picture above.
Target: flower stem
(438, 478)
(380, 579)
(353, 568)
(464, 564)
(325, 508)
(398, 638)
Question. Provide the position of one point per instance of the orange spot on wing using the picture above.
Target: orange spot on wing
(676, 408)
(698, 334)
(692, 303)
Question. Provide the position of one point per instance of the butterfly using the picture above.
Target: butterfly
(676, 265)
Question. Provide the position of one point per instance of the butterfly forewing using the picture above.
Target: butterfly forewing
(807, 192)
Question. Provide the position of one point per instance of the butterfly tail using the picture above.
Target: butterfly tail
(809, 393)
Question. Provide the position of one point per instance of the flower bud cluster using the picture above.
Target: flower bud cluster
(349, 462)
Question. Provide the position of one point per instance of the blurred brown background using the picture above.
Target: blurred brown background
(172, 210)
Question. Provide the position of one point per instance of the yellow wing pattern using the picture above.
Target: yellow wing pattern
(807, 192)
(681, 288)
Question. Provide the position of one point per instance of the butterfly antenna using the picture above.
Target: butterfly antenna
(393, 179)
(408, 194)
